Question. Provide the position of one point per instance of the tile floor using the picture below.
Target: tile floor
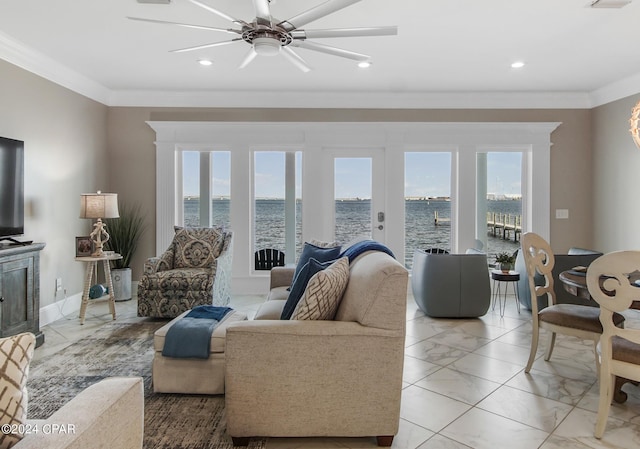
(464, 385)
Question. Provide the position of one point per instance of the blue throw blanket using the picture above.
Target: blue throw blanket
(366, 245)
(190, 336)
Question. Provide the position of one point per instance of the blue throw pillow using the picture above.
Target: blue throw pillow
(318, 253)
(300, 284)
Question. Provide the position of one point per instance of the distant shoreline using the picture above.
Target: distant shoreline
(490, 197)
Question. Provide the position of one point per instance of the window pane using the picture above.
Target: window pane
(191, 188)
(269, 206)
(427, 202)
(195, 200)
(502, 200)
(352, 192)
(221, 188)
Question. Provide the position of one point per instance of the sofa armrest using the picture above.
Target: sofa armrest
(281, 277)
(151, 265)
(282, 376)
(106, 415)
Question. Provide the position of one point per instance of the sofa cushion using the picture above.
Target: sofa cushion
(278, 293)
(270, 310)
(16, 353)
(320, 254)
(322, 296)
(299, 285)
(217, 337)
(197, 247)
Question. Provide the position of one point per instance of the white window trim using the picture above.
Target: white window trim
(465, 140)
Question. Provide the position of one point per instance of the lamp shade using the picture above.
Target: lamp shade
(99, 205)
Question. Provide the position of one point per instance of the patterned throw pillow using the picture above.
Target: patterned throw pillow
(16, 353)
(197, 247)
(324, 291)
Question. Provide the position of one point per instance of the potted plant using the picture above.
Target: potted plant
(505, 261)
(125, 233)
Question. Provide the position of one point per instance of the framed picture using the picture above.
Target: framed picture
(84, 246)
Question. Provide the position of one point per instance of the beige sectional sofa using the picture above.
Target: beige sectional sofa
(107, 415)
(288, 378)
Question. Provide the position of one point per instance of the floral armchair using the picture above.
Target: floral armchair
(195, 270)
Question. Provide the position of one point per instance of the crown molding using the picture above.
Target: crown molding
(35, 62)
(21, 55)
(351, 100)
(615, 91)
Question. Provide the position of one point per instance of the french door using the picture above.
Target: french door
(355, 198)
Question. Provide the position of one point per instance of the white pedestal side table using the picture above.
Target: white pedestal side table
(91, 268)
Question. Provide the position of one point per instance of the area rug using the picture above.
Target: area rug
(126, 349)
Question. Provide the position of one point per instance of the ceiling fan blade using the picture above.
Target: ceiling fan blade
(187, 25)
(330, 50)
(248, 58)
(345, 32)
(200, 47)
(215, 11)
(295, 59)
(315, 13)
(263, 14)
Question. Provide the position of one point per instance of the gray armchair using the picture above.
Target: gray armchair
(451, 285)
(195, 270)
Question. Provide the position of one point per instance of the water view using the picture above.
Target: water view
(353, 219)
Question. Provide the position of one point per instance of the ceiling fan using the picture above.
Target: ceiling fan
(269, 36)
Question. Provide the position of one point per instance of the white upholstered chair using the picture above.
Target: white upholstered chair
(611, 280)
(568, 319)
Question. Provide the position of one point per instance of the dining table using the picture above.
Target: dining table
(575, 282)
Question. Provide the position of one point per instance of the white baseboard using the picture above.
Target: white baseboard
(65, 307)
(60, 309)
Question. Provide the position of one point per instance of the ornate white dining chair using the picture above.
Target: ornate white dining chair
(611, 280)
(568, 319)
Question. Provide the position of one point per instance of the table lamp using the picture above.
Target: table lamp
(99, 205)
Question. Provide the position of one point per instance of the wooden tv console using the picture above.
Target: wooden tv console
(20, 290)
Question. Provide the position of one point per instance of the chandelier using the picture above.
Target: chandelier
(634, 121)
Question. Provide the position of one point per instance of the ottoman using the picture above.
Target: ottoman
(194, 376)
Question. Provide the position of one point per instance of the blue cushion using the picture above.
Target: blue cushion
(300, 284)
(318, 253)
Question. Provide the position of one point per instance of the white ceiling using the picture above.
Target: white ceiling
(448, 53)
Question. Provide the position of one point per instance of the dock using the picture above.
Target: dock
(506, 226)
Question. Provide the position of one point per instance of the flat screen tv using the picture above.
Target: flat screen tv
(11, 188)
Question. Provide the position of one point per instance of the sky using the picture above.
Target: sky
(426, 174)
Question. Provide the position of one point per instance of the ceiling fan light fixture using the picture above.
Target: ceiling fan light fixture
(517, 65)
(205, 62)
(364, 64)
(266, 46)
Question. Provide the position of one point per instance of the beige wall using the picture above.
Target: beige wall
(133, 176)
(65, 155)
(616, 162)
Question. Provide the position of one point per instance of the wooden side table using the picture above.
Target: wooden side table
(91, 268)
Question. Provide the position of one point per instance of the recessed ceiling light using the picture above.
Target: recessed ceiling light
(204, 62)
(364, 64)
(517, 65)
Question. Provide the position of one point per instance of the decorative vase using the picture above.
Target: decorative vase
(505, 267)
(121, 278)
